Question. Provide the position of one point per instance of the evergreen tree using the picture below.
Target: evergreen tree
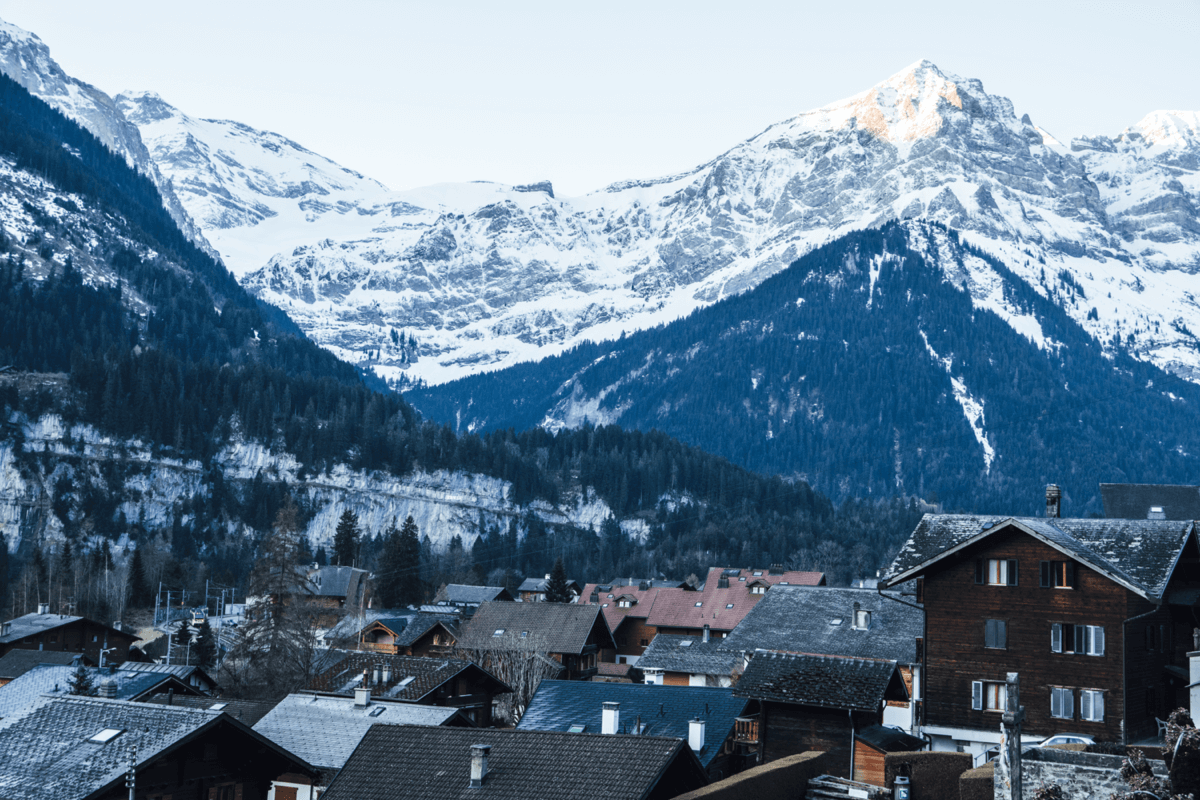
(3, 573)
(81, 683)
(321, 557)
(345, 540)
(556, 587)
(407, 558)
(139, 592)
(39, 571)
(205, 647)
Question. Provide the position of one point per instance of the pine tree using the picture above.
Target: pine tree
(205, 647)
(81, 683)
(407, 557)
(3, 571)
(345, 540)
(556, 587)
(393, 572)
(139, 592)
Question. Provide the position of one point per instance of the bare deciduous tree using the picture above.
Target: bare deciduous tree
(521, 661)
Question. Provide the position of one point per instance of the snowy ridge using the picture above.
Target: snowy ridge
(971, 406)
(443, 504)
(483, 275)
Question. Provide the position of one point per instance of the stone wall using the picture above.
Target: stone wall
(1082, 776)
(934, 775)
(783, 779)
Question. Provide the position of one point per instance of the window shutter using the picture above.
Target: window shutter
(1069, 703)
(989, 633)
(1055, 699)
(1098, 637)
(920, 590)
(1085, 705)
(1080, 639)
(979, 570)
(977, 695)
(1012, 572)
(1098, 706)
(1070, 569)
(1056, 637)
(1001, 633)
(1045, 575)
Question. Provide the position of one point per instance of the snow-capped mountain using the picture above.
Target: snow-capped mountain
(486, 275)
(26, 59)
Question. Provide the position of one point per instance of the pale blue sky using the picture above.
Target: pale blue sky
(586, 94)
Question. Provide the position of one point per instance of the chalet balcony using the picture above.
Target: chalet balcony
(380, 647)
(745, 730)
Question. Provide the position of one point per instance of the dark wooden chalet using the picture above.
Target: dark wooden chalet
(625, 606)
(68, 634)
(428, 681)
(533, 590)
(79, 749)
(1095, 614)
(423, 634)
(817, 702)
(576, 636)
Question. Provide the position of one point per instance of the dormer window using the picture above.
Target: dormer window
(624, 604)
(758, 588)
(862, 620)
(1156, 512)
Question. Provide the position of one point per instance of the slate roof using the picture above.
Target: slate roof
(459, 593)
(17, 662)
(539, 584)
(890, 740)
(325, 730)
(46, 753)
(247, 712)
(800, 619)
(349, 626)
(822, 681)
(669, 653)
(558, 627)
(664, 710)
(1139, 554)
(398, 761)
(18, 628)
(1134, 501)
(183, 672)
(421, 624)
(24, 691)
(720, 608)
(427, 674)
(337, 581)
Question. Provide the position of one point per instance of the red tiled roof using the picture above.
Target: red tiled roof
(614, 615)
(719, 608)
(618, 670)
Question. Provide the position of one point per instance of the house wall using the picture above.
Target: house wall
(957, 609)
(634, 636)
(81, 636)
(868, 764)
(786, 729)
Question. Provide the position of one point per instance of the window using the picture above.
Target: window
(729, 605)
(988, 695)
(996, 571)
(699, 604)
(1091, 705)
(499, 632)
(1058, 575)
(107, 735)
(995, 634)
(758, 589)
(1078, 639)
(645, 642)
(1062, 703)
(576, 728)
(623, 604)
(862, 620)
(1150, 638)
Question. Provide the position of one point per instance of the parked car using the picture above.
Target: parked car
(1067, 738)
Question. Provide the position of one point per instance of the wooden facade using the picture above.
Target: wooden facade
(786, 729)
(962, 652)
(80, 635)
(633, 636)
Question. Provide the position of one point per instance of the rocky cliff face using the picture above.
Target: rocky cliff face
(483, 275)
(26, 59)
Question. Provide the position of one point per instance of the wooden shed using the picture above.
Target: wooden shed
(872, 744)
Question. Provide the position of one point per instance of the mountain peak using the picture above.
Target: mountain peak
(144, 107)
(1169, 129)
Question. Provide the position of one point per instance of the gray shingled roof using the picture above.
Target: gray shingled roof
(325, 730)
(16, 663)
(1139, 554)
(397, 761)
(670, 653)
(247, 712)
(336, 581)
(1135, 500)
(800, 619)
(18, 628)
(557, 627)
(24, 691)
(421, 623)
(539, 585)
(184, 672)
(472, 595)
(853, 683)
(663, 710)
(46, 753)
(426, 674)
(349, 626)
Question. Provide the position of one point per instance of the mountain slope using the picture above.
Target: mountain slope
(484, 276)
(898, 360)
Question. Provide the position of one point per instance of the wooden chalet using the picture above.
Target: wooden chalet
(448, 682)
(533, 590)
(79, 748)
(817, 703)
(1095, 614)
(576, 636)
(626, 605)
(423, 634)
(67, 634)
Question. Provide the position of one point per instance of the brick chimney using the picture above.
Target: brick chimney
(479, 764)
(1053, 501)
(610, 718)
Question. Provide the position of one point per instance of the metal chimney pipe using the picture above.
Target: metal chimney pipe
(1053, 501)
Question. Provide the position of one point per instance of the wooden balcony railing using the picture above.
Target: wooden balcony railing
(374, 647)
(745, 730)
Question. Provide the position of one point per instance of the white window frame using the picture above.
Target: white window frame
(988, 695)
(1089, 642)
(1091, 705)
(1062, 702)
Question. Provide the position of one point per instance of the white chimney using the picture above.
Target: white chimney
(362, 697)
(707, 633)
(108, 689)
(696, 734)
(375, 676)
(479, 764)
(547, 576)
(1194, 675)
(387, 672)
(610, 718)
(44, 608)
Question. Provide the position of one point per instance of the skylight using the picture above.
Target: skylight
(107, 735)
(376, 711)
(699, 604)
(835, 621)
(499, 632)
(729, 605)
(758, 573)
(217, 706)
(686, 643)
(576, 728)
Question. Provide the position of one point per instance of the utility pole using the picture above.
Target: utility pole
(168, 626)
(1010, 733)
